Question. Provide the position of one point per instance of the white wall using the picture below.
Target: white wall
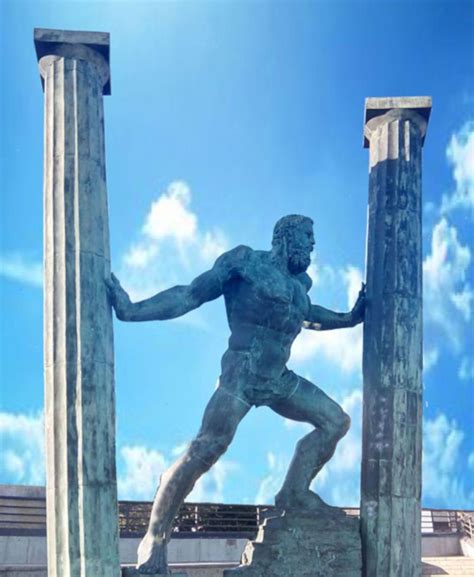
(32, 550)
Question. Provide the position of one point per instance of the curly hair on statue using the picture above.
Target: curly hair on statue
(286, 225)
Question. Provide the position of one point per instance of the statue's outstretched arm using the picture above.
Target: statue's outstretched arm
(178, 300)
(321, 319)
(168, 304)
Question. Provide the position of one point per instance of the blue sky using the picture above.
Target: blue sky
(223, 117)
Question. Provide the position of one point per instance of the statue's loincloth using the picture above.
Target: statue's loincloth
(239, 378)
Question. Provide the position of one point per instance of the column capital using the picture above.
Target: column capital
(75, 44)
(392, 107)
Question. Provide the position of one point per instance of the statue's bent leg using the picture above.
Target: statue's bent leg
(221, 418)
(311, 405)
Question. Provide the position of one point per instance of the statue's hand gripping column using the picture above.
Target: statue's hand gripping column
(79, 379)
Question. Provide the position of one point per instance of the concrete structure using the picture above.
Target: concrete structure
(79, 366)
(225, 552)
(196, 552)
(23, 540)
(392, 361)
(202, 557)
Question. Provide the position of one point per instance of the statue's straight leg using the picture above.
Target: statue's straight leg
(311, 405)
(221, 418)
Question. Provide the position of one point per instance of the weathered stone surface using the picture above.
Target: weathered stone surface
(380, 106)
(299, 545)
(92, 45)
(392, 359)
(81, 493)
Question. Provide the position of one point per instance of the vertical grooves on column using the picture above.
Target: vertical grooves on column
(78, 313)
(55, 399)
(77, 308)
(48, 311)
(414, 142)
(106, 207)
(72, 342)
(59, 390)
(384, 530)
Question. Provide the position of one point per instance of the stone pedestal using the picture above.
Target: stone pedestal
(82, 516)
(303, 545)
(392, 360)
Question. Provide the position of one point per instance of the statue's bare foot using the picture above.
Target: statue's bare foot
(304, 502)
(152, 556)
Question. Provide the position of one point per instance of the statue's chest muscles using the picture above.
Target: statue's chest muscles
(269, 293)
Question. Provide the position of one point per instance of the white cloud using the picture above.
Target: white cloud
(139, 256)
(210, 487)
(462, 301)
(170, 217)
(179, 449)
(296, 425)
(312, 271)
(430, 358)
(353, 279)
(321, 275)
(22, 442)
(443, 482)
(14, 464)
(448, 295)
(470, 460)
(460, 153)
(18, 267)
(349, 451)
(339, 481)
(141, 469)
(342, 347)
(171, 247)
(213, 244)
(466, 369)
(272, 482)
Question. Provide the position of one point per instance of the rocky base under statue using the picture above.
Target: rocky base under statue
(298, 544)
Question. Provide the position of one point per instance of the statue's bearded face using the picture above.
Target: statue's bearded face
(300, 243)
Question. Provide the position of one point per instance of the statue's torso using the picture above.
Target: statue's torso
(265, 308)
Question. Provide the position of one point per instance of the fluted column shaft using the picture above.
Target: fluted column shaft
(82, 518)
(392, 358)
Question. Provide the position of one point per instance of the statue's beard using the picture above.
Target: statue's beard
(298, 261)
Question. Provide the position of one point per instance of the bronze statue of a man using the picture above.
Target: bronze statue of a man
(267, 305)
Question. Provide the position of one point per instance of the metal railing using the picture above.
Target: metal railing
(439, 521)
(20, 515)
(210, 519)
(466, 523)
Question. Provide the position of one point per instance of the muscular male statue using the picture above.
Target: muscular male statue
(267, 305)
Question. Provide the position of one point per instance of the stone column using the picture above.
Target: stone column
(81, 491)
(392, 361)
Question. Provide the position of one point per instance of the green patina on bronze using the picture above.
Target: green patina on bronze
(267, 304)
